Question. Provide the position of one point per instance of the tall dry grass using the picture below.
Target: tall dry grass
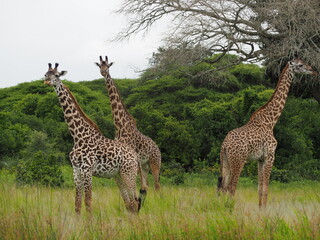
(174, 213)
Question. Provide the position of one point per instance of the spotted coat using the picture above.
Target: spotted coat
(127, 132)
(255, 140)
(92, 153)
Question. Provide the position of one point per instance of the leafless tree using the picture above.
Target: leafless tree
(265, 31)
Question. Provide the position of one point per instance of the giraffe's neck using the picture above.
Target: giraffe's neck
(269, 113)
(121, 117)
(80, 126)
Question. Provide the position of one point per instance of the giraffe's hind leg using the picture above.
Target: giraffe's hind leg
(264, 172)
(126, 182)
(223, 180)
(260, 180)
(155, 165)
(236, 165)
(144, 170)
(124, 192)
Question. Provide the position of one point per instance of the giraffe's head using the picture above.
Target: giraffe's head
(299, 66)
(51, 77)
(104, 66)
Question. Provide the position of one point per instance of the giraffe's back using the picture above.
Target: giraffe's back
(144, 146)
(249, 141)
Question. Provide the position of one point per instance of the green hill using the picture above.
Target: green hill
(187, 117)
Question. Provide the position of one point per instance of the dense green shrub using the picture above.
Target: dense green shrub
(13, 135)
(280, 175)
(175, 172)
(39, 162)
(41, 168)
(249, 74)
(186, 110)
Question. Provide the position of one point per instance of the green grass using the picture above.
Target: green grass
(177, 212)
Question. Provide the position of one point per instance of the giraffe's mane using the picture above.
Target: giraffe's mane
(275, 90)
(82, 114)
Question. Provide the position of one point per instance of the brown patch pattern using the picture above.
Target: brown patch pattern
(127, 132)
(93, 154)
(255, 140)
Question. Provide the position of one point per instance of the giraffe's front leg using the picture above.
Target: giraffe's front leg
(79, 188)
(87, 182)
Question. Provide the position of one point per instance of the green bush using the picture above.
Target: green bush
(280, 175)
(40, 169)
(175, 172)
(187, 110)
(249, 74)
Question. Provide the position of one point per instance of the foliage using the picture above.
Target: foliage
(39, 163)
(255, 30)
(186, 115)
(13, 135)
(270, 32)
(204, 74)
(40, 168)
(249, 74)
(175, 172)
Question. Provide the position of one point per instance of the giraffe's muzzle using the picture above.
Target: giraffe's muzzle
(47, 82)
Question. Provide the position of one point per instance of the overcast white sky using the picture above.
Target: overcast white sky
(71, 32)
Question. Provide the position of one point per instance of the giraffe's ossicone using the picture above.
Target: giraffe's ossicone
(92, 153)
(255, 140)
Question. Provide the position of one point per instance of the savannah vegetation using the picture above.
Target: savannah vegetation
(257, 31)
(191, 211)
(188, 117)
(191, 96)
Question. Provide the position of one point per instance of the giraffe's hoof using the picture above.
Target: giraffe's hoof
(219, 182)
(143, 192)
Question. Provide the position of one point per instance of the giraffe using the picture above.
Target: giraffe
(255, 140)
(127, 132)
(92, 153)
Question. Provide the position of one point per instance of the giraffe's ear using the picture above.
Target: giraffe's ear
(62, 73)
(110, 64)
(97, 64)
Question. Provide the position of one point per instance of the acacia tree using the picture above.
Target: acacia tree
(265, 31)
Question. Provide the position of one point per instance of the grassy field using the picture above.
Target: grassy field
(177, 212)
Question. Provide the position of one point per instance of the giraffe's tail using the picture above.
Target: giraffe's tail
(220, 182)
(142, 197)
(220, 178)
